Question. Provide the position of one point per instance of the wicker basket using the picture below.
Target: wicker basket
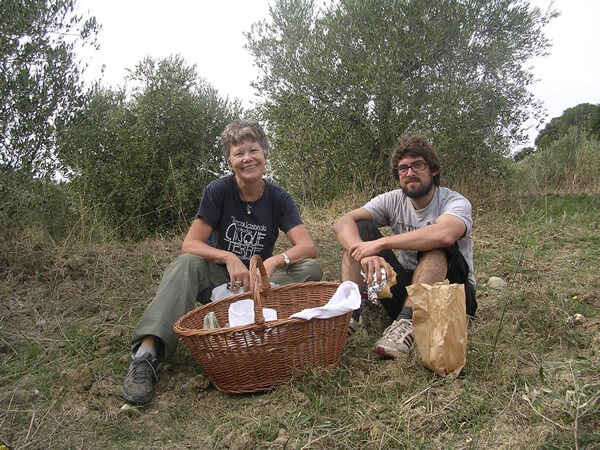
(262, 356)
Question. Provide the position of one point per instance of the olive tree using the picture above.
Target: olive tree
(340, 84)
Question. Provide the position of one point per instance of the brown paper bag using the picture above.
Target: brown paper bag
(440, 325)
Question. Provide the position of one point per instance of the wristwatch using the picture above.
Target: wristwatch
(286, 260)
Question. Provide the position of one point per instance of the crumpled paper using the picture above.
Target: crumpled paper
(440, 325)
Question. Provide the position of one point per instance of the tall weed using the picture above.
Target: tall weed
(570, 165)
(27, 202)
(42, 220)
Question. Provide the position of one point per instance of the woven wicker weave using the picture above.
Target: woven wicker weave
(262, 356)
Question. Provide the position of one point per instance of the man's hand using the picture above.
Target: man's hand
(239, 275)
(364, 249)
(372, 265)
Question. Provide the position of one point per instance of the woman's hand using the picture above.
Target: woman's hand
(272, 264)
(239, 275)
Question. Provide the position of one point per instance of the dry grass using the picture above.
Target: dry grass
(532, 378)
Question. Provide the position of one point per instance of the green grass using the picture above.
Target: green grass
(532, 378)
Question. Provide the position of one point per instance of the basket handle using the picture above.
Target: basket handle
(256, 262)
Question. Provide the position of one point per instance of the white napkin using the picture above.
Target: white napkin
(242, 313)
(223, 291)
(345, 299)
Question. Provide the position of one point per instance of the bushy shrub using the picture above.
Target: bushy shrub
(141, 160)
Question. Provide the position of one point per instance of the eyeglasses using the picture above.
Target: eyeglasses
(416, 167)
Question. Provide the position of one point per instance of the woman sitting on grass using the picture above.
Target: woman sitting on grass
(240, 215)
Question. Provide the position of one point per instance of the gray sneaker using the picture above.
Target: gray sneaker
(137, 388)
(397, 339)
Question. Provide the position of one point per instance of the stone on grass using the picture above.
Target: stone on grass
(497, 283)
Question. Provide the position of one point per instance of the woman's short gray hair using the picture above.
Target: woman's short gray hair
(236, 132)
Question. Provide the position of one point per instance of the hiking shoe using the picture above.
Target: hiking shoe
(397, 339)
(137, 388)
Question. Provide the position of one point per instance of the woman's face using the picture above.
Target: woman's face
(247, 160)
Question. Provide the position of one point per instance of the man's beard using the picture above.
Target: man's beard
(420, 192)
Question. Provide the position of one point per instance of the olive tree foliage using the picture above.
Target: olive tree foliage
(39, 88)
(39, 78)
(145, 156)
(340, 84)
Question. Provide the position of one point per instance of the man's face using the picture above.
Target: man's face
(415, 177)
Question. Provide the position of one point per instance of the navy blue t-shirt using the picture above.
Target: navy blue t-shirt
(236, 231)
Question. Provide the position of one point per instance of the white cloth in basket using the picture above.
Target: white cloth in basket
(345, 299)
(242, 313)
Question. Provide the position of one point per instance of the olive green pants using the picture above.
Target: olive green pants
(190, 279)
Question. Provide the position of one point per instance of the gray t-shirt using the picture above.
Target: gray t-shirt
(394, 209)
